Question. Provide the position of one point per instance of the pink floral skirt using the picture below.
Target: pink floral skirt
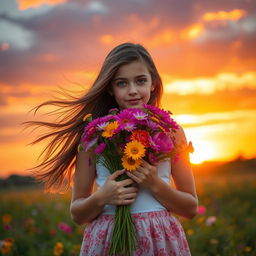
(159, 234)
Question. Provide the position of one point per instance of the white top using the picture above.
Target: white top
(145, 201)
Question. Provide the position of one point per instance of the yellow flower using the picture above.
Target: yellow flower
(247, 249)
(190, 232)
(130, 164)
(6, 246)
(86, 117)
(58, 249)
(110, 129)
(7, 218)
(134, 150)
(214, 241)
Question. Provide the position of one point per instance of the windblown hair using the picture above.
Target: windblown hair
(57, 166)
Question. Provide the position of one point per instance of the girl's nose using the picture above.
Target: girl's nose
(132, 89)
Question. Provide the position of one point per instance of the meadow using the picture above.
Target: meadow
(38, 223)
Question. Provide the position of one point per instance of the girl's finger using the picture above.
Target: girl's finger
(126, 182)
(135, 178)
(116, 174)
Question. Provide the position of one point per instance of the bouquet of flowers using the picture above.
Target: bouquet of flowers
(121, 140)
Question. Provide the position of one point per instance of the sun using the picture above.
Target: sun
(203, 152)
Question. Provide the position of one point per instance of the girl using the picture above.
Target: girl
(127, 79)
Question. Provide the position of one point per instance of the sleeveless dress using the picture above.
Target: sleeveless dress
(159, 232)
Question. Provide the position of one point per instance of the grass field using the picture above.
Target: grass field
(34, 223)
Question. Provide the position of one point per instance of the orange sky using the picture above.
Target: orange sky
(204, 51)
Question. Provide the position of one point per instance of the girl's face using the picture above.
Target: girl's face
(132, 85)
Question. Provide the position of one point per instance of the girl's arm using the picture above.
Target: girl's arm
(181, 200)
(86, 206)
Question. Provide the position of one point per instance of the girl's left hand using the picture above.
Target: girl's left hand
(146, 175)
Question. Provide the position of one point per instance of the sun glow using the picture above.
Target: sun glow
(202, 152)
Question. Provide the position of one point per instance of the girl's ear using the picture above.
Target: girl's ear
(152, 87)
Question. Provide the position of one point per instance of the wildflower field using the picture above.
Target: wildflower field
(36, 223)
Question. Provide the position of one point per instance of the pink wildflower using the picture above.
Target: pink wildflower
(65, 227)
(163, 142)
(210, 220)
(201, 210)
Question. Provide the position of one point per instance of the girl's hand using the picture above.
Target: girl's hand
(116, 192)
(146, 175)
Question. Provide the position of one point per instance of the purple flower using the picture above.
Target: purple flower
(163, 142)
(100, 148)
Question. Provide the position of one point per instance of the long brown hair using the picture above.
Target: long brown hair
(60, 154)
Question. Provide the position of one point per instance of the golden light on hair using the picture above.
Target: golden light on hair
(235, 14)
(25, 4)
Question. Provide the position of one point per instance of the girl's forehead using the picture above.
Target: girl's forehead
(134, 68)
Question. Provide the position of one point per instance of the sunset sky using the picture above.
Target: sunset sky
(204, 51)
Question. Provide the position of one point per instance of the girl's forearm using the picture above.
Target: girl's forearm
(84, 210)
(178, 202)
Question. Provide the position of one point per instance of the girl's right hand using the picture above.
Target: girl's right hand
(116, 192)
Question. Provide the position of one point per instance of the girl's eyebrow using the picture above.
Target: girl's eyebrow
(123, 78)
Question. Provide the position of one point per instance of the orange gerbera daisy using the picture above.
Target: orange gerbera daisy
(110, 129)
(130, 164)
(134, 149)
(141, 136)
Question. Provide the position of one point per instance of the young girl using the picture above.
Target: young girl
(127, 79)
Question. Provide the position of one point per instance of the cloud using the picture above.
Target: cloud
(219, 101)
(208, 85)
(72, 36)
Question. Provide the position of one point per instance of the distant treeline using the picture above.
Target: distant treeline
(18, 181)
(232, 167)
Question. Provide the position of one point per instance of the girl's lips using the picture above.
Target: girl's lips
(133, 101)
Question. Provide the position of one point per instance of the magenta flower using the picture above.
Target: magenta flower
(152, 158)
(201, 210)
(125, 119)
(100, 148)
(65, 227)
(163, 142)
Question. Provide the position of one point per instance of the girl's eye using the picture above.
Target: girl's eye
(141, 81)
(121, 83)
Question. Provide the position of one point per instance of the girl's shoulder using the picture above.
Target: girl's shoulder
(180, 141)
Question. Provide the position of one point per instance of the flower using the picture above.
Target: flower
(210, 220)
(141, 136)
(190, 232)
(134, 149)
(152, 158)
(214, 241)
(125, 118)
(130, 164)
(201, 210)
(58, 249)
(110, 129)
(65, 227)
(163, 142)
(140, 115)
(6, 246)
(6, 218)
(99, 149)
